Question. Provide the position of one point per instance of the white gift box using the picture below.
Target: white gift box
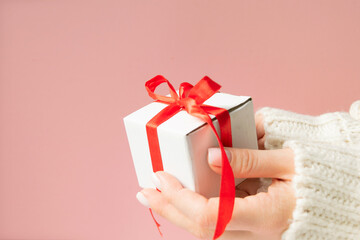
(184, 141)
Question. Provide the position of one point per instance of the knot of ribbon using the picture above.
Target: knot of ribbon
(191, 99)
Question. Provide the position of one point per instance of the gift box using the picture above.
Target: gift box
(184, 141)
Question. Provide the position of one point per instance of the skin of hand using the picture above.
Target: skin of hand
(256, 215)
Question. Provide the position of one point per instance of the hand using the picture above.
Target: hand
(256, 215)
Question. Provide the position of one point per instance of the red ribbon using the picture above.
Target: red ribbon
(191, 99)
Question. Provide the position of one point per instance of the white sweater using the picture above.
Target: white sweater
(327, 170)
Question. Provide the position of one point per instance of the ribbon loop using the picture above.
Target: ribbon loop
(184, 89)
(203, 90)
(153, 83)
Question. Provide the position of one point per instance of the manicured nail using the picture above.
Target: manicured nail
(214, 156)
(142, 199)
(156, 181)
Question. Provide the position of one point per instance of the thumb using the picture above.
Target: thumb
(248, 163)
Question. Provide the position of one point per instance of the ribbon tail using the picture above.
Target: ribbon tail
(156, 222)
(227, 192)
(227, 186)
(227, 196)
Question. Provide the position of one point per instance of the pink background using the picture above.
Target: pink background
(71, 70)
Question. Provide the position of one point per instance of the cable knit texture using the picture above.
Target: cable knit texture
(327, 170)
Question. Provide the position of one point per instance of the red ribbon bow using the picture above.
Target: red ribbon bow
(191, 98)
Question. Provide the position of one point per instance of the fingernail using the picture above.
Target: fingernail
(156, 181)
(142, 199)
(214, 156)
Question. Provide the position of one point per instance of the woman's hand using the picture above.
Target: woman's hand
(256, 215)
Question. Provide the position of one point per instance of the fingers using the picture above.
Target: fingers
(250, 186)
(259, 123)
(191, 204)
(179, 205)
(157, 202)
(187, 209)
(248, 212)
(265, 212)
(247, 163)
(237, 235)
(202, 211)
(160, 204)
(261, 143)
(260, 131)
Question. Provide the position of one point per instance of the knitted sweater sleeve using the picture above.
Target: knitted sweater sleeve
(327, 188)
(327, 170)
